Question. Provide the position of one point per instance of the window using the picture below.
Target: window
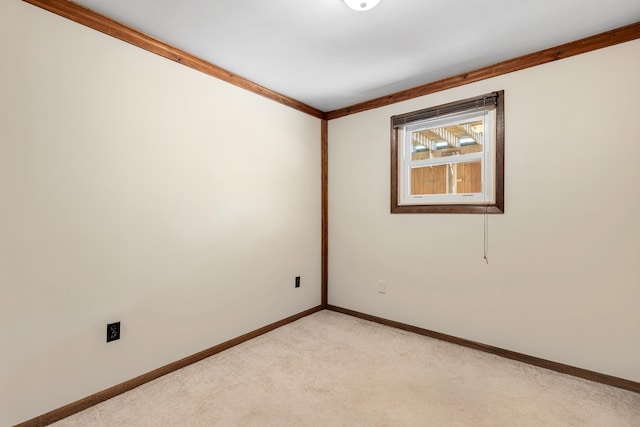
(449, 158)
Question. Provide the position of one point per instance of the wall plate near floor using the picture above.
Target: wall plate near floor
(382, 287)
(113, 331)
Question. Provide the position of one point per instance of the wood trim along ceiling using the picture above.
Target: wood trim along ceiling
(531, 360)
(598, 41)
(101, 396)
(98, 22)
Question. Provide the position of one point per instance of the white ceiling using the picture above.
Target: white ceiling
(326, 55)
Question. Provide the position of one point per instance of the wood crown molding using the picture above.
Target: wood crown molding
(588, 44)
(98, 22)
(524, 358)
(94, 399)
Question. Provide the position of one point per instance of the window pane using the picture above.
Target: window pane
(449, 158)
(460, 138)
(452, 178)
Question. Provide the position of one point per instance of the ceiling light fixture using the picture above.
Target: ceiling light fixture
(362, 5)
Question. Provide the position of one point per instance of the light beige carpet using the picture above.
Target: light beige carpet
(330, 369)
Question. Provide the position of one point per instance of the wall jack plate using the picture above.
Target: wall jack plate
(113, 331)
(297, 281)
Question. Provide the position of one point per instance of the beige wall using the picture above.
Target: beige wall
(563, 279)
(136, 189)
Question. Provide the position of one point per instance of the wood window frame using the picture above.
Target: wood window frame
(497, 205)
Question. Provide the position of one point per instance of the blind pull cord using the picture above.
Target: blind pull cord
(486, 235)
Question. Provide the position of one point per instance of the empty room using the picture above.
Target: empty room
(319, 213)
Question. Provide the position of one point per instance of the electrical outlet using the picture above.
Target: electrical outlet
(113, 331)
(382, 287)
(297, 281)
